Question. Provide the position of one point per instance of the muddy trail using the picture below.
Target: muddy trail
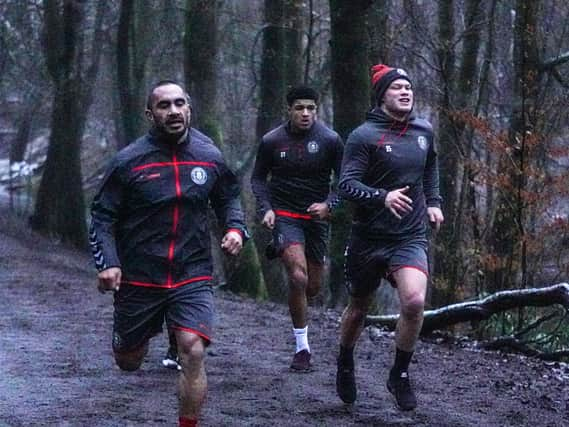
(56, 365)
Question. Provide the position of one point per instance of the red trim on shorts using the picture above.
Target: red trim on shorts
(389, 276)
(193, 331)
(174, 163)
(168, 286)
(292, 214)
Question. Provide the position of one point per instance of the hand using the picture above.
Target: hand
(398, 203)
(232, 242)
(319, 210)
(269, 219)
(109, 279)
(436, 217)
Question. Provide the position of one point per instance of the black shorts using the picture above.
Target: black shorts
(311, 233)
(369, 261)
(140, 311)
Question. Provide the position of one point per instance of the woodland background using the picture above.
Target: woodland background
(492, 76)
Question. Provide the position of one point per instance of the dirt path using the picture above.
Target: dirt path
(56, 366)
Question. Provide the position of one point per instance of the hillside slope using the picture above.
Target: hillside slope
(56, 366)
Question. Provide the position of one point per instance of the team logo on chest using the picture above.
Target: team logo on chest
(199, 175)
(312, 147)
(422, 141)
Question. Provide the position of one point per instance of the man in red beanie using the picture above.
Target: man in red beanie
(390, 174)
(291, 184)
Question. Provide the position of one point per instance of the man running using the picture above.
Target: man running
(150, 239)
(390, 174)
(296, 203)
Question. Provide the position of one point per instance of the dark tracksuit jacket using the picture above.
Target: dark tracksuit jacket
(149, 216)
(300, 165)
(382, 155)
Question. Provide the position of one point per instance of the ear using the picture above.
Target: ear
(149, 115)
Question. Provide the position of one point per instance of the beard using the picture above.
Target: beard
(166, 132)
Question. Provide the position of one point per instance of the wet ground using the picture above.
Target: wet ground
(56, 365)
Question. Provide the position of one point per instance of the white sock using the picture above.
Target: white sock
(301, 336)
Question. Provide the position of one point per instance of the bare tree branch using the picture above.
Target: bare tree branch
(535, 324)
(484, 308)
(554, 62)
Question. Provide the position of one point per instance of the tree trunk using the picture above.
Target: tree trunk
(242, 274)
(133, 46)
(450, 160)
(272, 85)
(351, 95)
(508, 240)
(294, 24)
(60, 207)
(452, 264)
(379, 35)
(200, 65)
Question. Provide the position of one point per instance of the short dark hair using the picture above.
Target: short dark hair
(164, 83)
(301, 92)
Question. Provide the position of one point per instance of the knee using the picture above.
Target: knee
(356, 313)
(299, 277)
(127, 362)
(191, 351)
(412, 306)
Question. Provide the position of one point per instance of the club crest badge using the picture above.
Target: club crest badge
(422, 141)
(199, 175)
(313, 147)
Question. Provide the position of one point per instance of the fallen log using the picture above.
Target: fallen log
(484, 308)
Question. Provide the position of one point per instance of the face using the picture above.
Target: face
(170, 111)
(398, 99)
(302, 114)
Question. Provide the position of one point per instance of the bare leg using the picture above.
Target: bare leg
(131, 361)
(350, 330)
(192, 385)
(315, 272)
(412, 289)
(294, 261)
(353, 319)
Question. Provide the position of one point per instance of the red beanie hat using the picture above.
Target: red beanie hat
(382, 76)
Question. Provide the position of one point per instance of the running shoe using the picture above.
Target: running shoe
(171, 360)
(346, 381)
(301, 361)
(400, 387)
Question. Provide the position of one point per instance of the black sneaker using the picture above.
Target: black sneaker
(400, 387)
(301, 361)
(171, 360)
(346, 382)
